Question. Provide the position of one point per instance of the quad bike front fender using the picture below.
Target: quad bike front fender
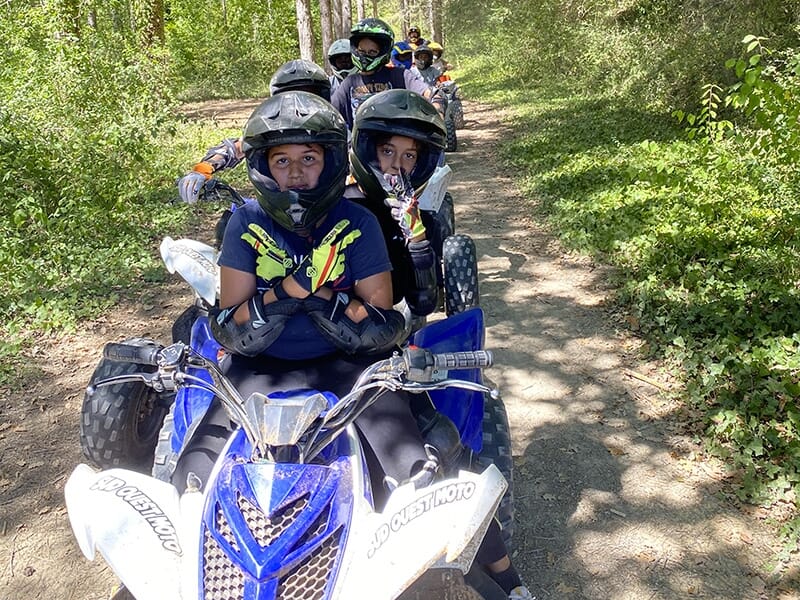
(146, 533)
(196, 262)
(435, 527)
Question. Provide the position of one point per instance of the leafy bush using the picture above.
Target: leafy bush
(655, 52)
(231, 52)
(704, 228)
(81, 122)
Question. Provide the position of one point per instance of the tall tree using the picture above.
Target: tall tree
(347, 16)
(336, 12)
(435, 21)
(405, 13)
(154, 32)
(71, 13)
(375, 8)
(305, 33)
(327, 30)
(361, 9)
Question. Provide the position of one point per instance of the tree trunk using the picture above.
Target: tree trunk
(361, 9)
(375, 8)
(336, 16)
(154, 34)
(305, 32)
(347, 17)
(435, 21)
(327, 31)
(70, 10)
(405, 9)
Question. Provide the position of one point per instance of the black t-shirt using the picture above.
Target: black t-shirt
(357, 87)
(402, 270)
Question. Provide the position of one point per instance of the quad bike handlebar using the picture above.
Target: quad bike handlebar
(414, 369)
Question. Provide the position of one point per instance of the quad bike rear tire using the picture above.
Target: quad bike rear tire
(460, 266)
(120, 423)
(457, 113)
(451, 145)
(497, 450)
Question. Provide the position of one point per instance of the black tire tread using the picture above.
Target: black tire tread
(460, 266)
(497, 450)
(451, 145)
(109, 435)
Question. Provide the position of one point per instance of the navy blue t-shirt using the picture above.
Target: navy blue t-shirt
(357, 87)
(365, 256)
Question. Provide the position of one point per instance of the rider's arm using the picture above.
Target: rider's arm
(226, 155)
(415, 83)
(247, 324)
(423, 295)
(356, 327)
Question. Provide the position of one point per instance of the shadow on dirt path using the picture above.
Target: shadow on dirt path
(613, 500)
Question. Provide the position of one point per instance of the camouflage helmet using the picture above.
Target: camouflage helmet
(379, 32)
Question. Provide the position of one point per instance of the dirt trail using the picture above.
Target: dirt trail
(613, 500)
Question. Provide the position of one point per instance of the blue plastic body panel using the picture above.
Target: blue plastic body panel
(462, 332)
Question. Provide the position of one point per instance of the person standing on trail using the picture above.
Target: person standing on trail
(371, 42)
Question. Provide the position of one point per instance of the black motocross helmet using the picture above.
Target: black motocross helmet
(379, 32)
(423, 57)
(302, 75)
(296, 118)
(395, 112)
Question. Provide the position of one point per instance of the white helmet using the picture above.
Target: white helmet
(338, 50)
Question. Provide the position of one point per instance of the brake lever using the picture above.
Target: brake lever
(152, 380)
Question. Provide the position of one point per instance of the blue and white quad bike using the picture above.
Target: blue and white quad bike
(287, 511)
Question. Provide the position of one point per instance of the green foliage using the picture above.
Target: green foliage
(81, 120)
(655, 52)
(704, 229)
(230, 53)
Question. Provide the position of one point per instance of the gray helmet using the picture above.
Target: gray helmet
(423, 57)
(302, 75)
(296, 118)
(340, 47)
(396, 112)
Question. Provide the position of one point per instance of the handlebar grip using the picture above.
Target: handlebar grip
(478, 359)
(141, 355)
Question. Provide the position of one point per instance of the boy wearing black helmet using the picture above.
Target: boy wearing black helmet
(398, 140)
(371, 42)
(341, 62)
(305, 285)
(423, 65)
